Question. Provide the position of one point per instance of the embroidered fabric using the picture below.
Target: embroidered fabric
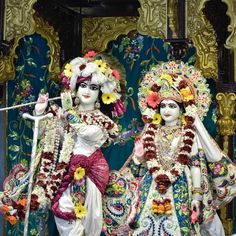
(216, 170)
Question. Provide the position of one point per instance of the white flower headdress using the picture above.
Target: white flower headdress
(95, 67)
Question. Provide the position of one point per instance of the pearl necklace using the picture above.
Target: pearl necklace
(87, 111)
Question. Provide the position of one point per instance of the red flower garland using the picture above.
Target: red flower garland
(150, 152)
(162, 180)
(52, 184)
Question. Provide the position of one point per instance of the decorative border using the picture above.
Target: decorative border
(7, 67)
(97, 32)
(227, 126)
(19, 18)
(231, 40)
(46, 31)
(172, 12)
(204, 38)
(231, 12)
(20, 22)
(197, 30)
(153, 18)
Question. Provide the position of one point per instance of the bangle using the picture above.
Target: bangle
(197, 191)
(197, 197)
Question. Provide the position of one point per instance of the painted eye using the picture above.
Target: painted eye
(172, 105)
(163, 105)
(93, 87)
(83, 85)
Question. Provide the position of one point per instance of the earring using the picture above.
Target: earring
(76, 100)
(97, 105)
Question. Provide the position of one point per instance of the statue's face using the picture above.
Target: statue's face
(88, 93)
(170, 111)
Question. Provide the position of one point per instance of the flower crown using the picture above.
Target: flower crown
(95, 67)
(177, 81)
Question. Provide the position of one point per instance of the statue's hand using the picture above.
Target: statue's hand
(42, 104)
(138, 148)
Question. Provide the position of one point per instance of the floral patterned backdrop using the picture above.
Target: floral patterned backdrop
(31, 77)
(136, 52)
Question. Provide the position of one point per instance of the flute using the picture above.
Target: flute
(26, 104)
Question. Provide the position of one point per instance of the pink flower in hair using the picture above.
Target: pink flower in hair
(65, 81)
(153, 100)
(119, 108)
(116, 74)
(90, 54)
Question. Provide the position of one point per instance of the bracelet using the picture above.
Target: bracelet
(197, 191)
(197, 197)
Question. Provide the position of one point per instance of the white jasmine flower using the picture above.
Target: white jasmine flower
(191, 110)
(98, 78)
(149, 112)
(108, 87)
(89, 69)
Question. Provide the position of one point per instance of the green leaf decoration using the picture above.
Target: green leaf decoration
(121, 48)
(20, 68)
(185, 229)
(27, 140)
(14, 148)
(12, 157)
(14, 135)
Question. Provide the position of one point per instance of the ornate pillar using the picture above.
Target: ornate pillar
(231, 40)
(226, 127)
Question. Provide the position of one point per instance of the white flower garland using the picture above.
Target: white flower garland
(47, 193)
(64, 158)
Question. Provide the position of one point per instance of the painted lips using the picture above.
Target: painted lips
(86, 96)
(167, 115)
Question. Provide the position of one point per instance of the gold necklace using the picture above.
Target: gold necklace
(167, 133)
(165, 155)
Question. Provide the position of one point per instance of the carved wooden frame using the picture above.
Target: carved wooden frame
(97, 32)
(19, 23)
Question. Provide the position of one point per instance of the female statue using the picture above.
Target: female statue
(177, 177)
(72, 172)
